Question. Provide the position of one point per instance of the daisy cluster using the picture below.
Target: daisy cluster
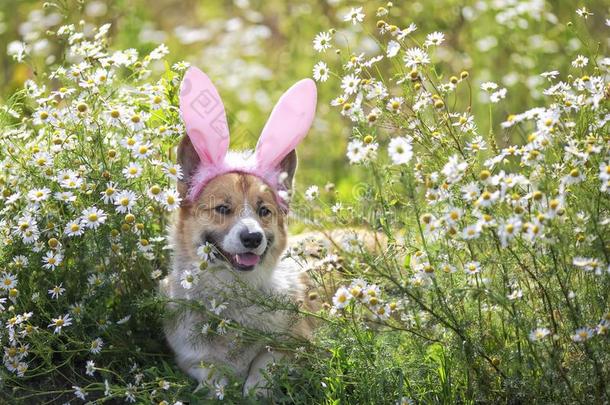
(471, 215)
(85, 182)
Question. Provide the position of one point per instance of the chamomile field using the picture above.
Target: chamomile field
(472, 138)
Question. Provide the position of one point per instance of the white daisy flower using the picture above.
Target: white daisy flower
(173, 171)
(187, 279)
(132, 171)
(79, 393)
(400, 150)
(60, 322)
(38, 194)
(65, 196)
(8, 281)
(489, 86)
(580, 62)
(93, 217)
(124, 201)
(90, 368)
(355, 15)
(416, 57)
(496, 96)
(312, 193)
(539, 334)
(206, 252)
(96, 345)
(51, 260)
(322, 42)
(320, 72)
(142, 150)
(171, 200)
(382, 312)
(472, 267)
(110, 193)
(155, 193)
(341, 298)
(56, 291)
(392, 49)
(434, 38)
(583, 334)
(350, 83)
(74, 228)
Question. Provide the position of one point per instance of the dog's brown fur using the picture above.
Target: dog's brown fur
(198, 222)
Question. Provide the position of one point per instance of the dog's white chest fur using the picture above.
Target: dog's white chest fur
(235, 300)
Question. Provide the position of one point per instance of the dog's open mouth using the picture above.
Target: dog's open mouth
(245, 261)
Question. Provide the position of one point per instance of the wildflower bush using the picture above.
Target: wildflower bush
(86, 173)
(490, 278)
(493, 285)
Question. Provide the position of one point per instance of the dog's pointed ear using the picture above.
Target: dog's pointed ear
(189, 161)
(288, 167)
(204, 117)
(288, 124)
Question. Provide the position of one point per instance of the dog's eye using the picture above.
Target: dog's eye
(264, 211)
(223, 209)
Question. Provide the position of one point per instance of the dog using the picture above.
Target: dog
(229, 237)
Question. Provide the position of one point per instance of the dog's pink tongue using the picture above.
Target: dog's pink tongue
(247, 259)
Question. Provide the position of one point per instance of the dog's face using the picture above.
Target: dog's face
(236, 213)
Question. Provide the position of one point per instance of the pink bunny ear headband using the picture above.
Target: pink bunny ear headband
(206, 125)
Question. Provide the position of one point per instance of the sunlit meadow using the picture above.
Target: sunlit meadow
(471, 139)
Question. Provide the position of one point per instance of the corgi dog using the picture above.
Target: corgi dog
(228, 238)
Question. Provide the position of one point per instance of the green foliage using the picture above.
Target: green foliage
(491, 280)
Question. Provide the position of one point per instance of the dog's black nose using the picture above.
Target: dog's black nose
(251, 240)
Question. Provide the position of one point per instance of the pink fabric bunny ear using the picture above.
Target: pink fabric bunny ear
(288, 124)
(204, 117)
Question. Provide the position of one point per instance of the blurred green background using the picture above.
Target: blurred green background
(254, 50)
